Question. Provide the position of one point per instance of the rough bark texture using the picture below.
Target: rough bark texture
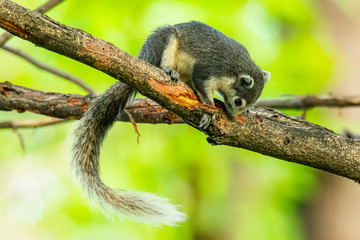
(262, 130)
(72, 106)
(42, 9)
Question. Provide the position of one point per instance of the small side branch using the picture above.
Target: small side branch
(50, 69)
(311, 101)
(349, 134)
(31, 123)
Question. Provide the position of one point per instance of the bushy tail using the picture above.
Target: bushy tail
(88, 136)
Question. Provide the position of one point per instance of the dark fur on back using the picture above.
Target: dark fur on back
(222, 54)
(153, 47)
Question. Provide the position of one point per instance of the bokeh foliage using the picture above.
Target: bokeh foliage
(227, 193)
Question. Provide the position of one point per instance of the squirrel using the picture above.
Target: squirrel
(193, 52)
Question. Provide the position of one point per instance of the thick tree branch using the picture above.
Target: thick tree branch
(311, 100)
(263, 130)
(42, 9)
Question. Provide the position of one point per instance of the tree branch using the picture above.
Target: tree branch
(50, 69)
(42, 9)
(31, 123)
(349, 134)
(72, 106)
(310, 101)
(265, 131)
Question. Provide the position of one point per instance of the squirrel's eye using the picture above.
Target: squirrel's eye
(238, 102)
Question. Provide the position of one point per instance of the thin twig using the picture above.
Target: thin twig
(310, 101)
(132, 120)
(4, 38)
(50, 69)
(350, 134)
(31, 123)
(21, 139)
(47, 6)
(42, 9)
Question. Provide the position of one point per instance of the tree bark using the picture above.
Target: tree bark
(42, 9)
(73, 106)
(263, 130)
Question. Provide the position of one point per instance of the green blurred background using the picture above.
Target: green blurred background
(227, 193)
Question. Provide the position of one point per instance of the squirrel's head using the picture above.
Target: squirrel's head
(243, 92)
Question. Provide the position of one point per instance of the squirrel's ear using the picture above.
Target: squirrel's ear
(267, 76)
(247, 81)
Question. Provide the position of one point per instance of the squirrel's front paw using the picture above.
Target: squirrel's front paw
(205, 121)
(175, 76)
